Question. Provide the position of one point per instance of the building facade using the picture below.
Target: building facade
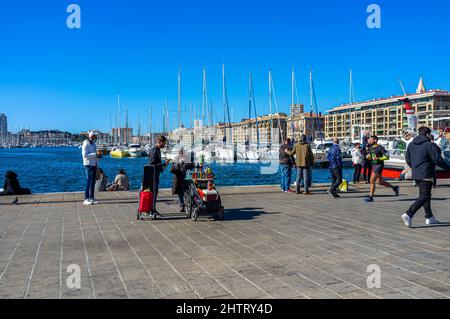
(386, 117)
(247, 130)
(310, 124)
(3, 128)
(122, 135)
(50, 137)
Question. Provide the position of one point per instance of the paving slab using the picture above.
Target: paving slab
(270, 245)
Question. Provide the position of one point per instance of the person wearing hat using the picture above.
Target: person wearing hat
(90, 162)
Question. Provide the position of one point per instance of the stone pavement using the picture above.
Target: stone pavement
(271, 245)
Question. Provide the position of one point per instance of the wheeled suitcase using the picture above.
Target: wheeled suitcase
(146, 202)
(147, 193)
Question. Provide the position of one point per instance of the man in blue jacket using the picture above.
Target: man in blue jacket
(335, 159)
(422, 156)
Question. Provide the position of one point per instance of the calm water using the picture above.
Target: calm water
(46, 170)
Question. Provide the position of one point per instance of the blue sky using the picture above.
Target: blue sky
(54, 77)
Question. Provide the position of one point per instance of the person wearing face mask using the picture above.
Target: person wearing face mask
(90, 163)
(154, 159)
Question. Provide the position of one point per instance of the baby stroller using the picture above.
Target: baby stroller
(147, 195)
(202, 198)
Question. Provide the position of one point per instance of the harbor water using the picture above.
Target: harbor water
(51, 170)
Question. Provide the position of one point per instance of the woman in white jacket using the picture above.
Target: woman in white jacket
(90, 162)
(358, 162)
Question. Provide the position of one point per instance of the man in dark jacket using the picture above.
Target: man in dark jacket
(335, 158)
(154, 159)
(286, 167)
(422, 156)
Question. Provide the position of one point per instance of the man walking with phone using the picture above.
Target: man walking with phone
(422, 156)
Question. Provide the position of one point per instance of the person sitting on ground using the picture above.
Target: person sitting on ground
(101, 184)
(121, 182)
(12, 187)
(179, 170)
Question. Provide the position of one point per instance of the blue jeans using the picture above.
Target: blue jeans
(286, 177)
(304, 176)
(91, 174)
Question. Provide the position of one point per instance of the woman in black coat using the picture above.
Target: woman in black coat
(179, 170)
(11, 186)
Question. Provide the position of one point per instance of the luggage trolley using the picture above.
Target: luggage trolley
(202, 199)
(147, 201)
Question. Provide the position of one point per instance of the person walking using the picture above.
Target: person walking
(154, 159)
(422, 156)
(179, 184)
(90, 162)
(439, 150)
(335, 158)
(358, 162)
(378, 155)
(304, 162)
(286, 167)
(367, 163)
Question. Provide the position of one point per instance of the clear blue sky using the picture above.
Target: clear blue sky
(54, 77)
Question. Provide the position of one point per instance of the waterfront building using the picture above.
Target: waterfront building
(247, 129)
(49, 137)
(102, 138)
(3, 128)
(122, 135)
(310, 124)
(386, 117)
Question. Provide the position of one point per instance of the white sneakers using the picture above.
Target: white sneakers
(88, 202)
(429, 221)
(407, 220)
(432, 221)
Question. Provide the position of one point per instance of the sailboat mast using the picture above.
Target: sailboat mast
(205, 98)
(179, 97)
(270, 106)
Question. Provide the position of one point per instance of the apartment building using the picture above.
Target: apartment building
(386, 117)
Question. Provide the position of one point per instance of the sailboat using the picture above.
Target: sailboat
(225, 151)
(250, 151)
(118, 151)
(271, 152)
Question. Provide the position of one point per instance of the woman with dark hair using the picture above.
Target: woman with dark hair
(12, 186)
(179, 169)
(101, 184)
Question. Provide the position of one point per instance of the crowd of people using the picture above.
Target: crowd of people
(422, 157)
(368, 159)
